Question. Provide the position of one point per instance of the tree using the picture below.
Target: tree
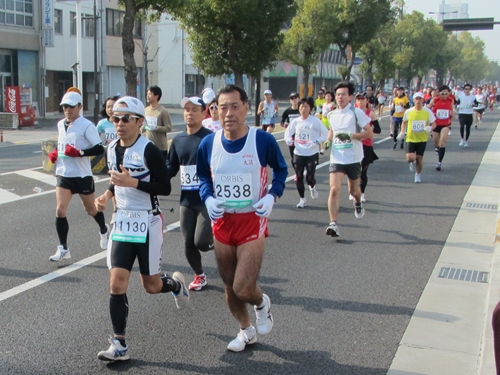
(234, 36)
(445, 57)
(474, 61)
(493, 72)
(356, 22)
(307, 36)
(133, 10)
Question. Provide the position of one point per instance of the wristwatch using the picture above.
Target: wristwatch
(81, 152)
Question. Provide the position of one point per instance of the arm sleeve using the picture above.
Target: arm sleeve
(160, 185)
(290, 131)
(172, 161)
(284, 117)
(270, 155)
(203, 167)
(94, 150)
(322, 130)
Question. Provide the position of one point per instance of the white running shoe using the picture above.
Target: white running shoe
(351, 198)
(182, 296)
(466, 144)
(417, 178)
(461, 144)
(359, 211)
(314, 192)
(363, 198)
(60, 254)
(302, 203)
(264, 317)
(332, 229)
(245, 337)
(104, 238)
(412, 166)
(116, 352)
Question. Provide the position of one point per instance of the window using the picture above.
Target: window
(88, 25)
(16, 12)
(72, 23)
(58, 27)
(114, 23)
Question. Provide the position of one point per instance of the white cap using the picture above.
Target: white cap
(134, 105)
(71, 98)
(208, 95)
(193, 99)
(268, 92)
(418, 95)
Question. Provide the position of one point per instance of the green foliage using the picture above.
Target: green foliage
(474, 61)
(493, 72)
(234, 36)
(308, 36)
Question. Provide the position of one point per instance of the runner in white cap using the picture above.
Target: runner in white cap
(77, 141)
(268, 109)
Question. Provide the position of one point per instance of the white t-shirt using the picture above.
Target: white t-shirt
(344, 121)
(466, 103)
(308, 134)
(480, 100)
(212, 125)
(81, 134)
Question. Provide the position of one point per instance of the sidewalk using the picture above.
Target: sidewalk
(450, 330)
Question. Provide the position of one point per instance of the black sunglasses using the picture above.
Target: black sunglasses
(68, 106)
(213, 108)
(125, 118)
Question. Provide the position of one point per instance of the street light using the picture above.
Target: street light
(443, 13)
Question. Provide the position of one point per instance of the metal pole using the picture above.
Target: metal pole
(96, 81)
(79, 81)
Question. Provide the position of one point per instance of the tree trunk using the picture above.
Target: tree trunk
(381, 84)
(419, 80)
(305, 79)
(238, 79)
(128, 48)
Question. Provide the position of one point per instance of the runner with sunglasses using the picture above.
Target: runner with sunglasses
(77, 141)
(212, 123)
(442, 107)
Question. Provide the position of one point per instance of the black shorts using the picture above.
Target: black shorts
(480, 111)
(77, 185)
(305, 160)
(264, 127)
(416, 148)
(353, 171)
(438, 128)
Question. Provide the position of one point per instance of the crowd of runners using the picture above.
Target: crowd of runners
(223, 167)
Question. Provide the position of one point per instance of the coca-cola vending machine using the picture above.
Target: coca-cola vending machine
(19, 100)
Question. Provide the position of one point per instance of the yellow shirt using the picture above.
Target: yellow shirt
(319, 105)
(417, 122)
(399, 106)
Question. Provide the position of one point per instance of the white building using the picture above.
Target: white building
(452, 11)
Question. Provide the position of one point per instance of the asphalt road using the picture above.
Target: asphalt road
(340, 306)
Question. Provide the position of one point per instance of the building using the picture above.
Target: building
(452, 11)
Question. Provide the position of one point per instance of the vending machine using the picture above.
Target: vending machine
(19, 99)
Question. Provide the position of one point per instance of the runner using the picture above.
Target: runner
(401, 104)
(466, 102)
(158, 122)
(442, 108)
(418, 122)
(194, 221)
(346, 132)
(328, 106)
(372, 100)
(307, 132)
(381, 98)
(138, 175)
(232, 167)
(77, 141)
(318, 104)
(105, 127)
(391, 110)
(492, 97)
(268, 109)
(288, 116)
(369, 155)
(212, 123)
(480, 106)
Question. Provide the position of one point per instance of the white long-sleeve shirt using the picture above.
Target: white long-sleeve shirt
(309, 133)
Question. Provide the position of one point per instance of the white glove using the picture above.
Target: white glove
(400, 136)
(214, 211)
(289, 142)
(428, 129)
(151, 127)
(264, 206)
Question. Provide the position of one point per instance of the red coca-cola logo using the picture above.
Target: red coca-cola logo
(11, 95)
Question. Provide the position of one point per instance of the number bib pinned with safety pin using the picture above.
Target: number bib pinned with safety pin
(68, 139)
(235, 189)
(130, 226)
(189, 178)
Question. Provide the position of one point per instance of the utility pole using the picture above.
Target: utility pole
(96, 74)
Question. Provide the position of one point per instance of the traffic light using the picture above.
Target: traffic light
(469, 24)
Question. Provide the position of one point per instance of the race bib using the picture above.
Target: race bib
(68, 139)
(342, 145)
(418, 126)
(189, 178)
(303, 136)
(110, 134)
(442, 114)
(151, 122)
(399, 109)
(235, 189)
(130, 226)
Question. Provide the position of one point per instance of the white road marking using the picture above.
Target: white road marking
(43, 177)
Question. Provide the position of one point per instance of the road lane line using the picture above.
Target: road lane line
(43, 177)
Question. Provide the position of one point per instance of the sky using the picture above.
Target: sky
(477, 9)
